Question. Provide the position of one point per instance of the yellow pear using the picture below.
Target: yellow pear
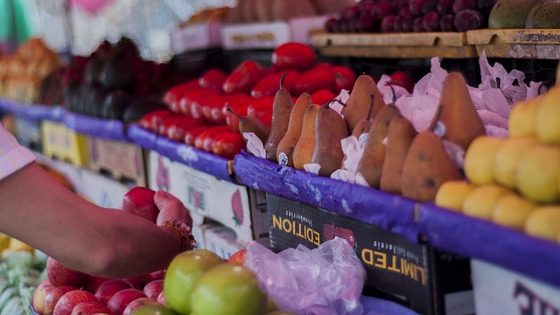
(479, 159)
(480, 202)
(523, 116)
(536, 175)
(507, 158)
(547, 127)
(544, 222)
(512, 211)
(452, 194)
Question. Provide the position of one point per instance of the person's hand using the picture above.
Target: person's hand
(171, 208)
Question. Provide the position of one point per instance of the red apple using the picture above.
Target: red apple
(161, 298)
(140, 201)
(153, 289)
(70, 299)
(107, 289)
(52, 297)
(156, 275)
(60, 275)
(132, 306)
(39, 295)
(138, 282)
(91, 307)
(238, 257)
(118, 302)
(94, 282)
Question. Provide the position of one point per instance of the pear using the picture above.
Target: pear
(480, 202)
(507, 158)
(330, 129)
(426, 167)
(452, 194)
(547, 127)
(479, 160)
(371, 162)
(544, 222)
(363, 126)
(512, 210)
(537, 172)
(285, 149)
(357, 105)
(252, 124)
(281, 110)
(303, 151)
(458, 114)
(523, 116)
(399, 137)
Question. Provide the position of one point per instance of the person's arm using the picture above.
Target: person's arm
(39, 211)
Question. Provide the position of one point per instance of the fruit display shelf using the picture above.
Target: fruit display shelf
(109, 129)
(396, 45)
(517, 43)
(34, 112)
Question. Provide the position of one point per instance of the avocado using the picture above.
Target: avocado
(115, 103)
(544, 15)
(510, 13)
(116, 74)
(140, 107)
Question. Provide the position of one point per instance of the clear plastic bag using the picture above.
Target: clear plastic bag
(326, 280)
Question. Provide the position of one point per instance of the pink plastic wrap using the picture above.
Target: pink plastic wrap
(326, 280)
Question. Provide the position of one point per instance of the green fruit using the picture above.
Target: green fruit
(154, 310)
(228, 289)
(182, 274)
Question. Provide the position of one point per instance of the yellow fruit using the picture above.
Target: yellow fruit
(451, 194)
(18, 246)
(536, 174)
(480, 202)
(4, 242)
(547, 127)
(507, 157)
(522, 117)
(512, 210)
(479, 160)
(544, 222)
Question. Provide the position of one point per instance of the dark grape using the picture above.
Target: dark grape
(350, 13)
(429, 6)
(382, 9)
(365, 23)
(431, 22)
(444, 7)
(407, 24)
(447, 23)
(416, 7)
(332, 25)
(460, 5)
(418, 25)
(388, 24)
(469, 20)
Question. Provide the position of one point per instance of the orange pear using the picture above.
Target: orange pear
(303, 151)
(399, 137)
(330, 129)
(285, 149)
(358, 103)
(281, 110)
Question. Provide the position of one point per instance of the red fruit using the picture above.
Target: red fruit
(260, 106)
(344, 77)
(157, 275)
(178, 129)
(447, 23)
(321, 97)
(186, 100)
(204, 140)
(322, 65)
(94, 282)
(431, 22)
(467, 20)
(39, 295)
(132, 306)
(118, 302)
(315, 80)
(172, 96)
(197, 103)
(460, 5)
(346, 234)
(138, 282)
(60, 275)
(192, 133)
(70, 299)
(91, 307)
(107, 289)
(140, 201)
(239, 257)
(382, 9)
(217, 103)
(388, 24)
(243, 78)
(403, 79)
(152, 121)
(293, 56)
(53, 296)
(161, 298)
(213, 78)
(270, 84)
(266, 118)
(232, 121)
(153, 288)
(328, 232)
(219, 114)
(418, 25)
(228, 144)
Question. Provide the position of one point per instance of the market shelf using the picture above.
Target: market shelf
(517, 43)
(395, 45)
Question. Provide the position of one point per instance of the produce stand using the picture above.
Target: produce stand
(516, 43)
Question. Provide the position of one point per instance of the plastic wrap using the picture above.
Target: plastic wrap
(326, 280)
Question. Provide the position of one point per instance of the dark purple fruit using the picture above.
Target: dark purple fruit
(429, 6)
(382, 9)
(418, 25)
(365, 23)
(397, 25)
(350, 13)
(447, 23)
(486, 4)
(115, 103)
(431, 22)
(444, 7)
(460, 5)
(469, 20)
(416, 7)
(407, 24)
(387, 24)
(332, 26)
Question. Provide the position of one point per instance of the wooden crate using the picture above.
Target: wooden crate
(396, 45)
(64, 144)
(517, 43)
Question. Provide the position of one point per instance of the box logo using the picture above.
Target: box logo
(196, 198)
(530, 303)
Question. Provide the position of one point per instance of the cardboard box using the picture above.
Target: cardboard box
(235, 206)
(64, 144)
(221, 240)
(425, 279)
(102, 190)
(196, 37)
(498, 290)
(255, 35)
(304, 28)
(124, 161)
(28, 133)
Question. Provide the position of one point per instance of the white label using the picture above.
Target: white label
(283, 159)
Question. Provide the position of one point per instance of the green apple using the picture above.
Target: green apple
(182, 274)
(228, 289)
(153, 310)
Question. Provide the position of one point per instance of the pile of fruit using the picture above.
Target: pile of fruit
(514, 181)
(519, 14)
(385, 16)
(22, 74)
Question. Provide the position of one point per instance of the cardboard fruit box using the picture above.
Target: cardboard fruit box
(417, 275)
(196, 37)
(61, 143)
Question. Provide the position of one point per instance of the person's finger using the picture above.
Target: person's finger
(171, 208)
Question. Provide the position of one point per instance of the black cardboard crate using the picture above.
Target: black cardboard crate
(419, 276)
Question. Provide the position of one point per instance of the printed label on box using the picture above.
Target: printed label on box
(102, 190)
(500, 291)
(158, 171)
(255, 35)
(196, 36)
